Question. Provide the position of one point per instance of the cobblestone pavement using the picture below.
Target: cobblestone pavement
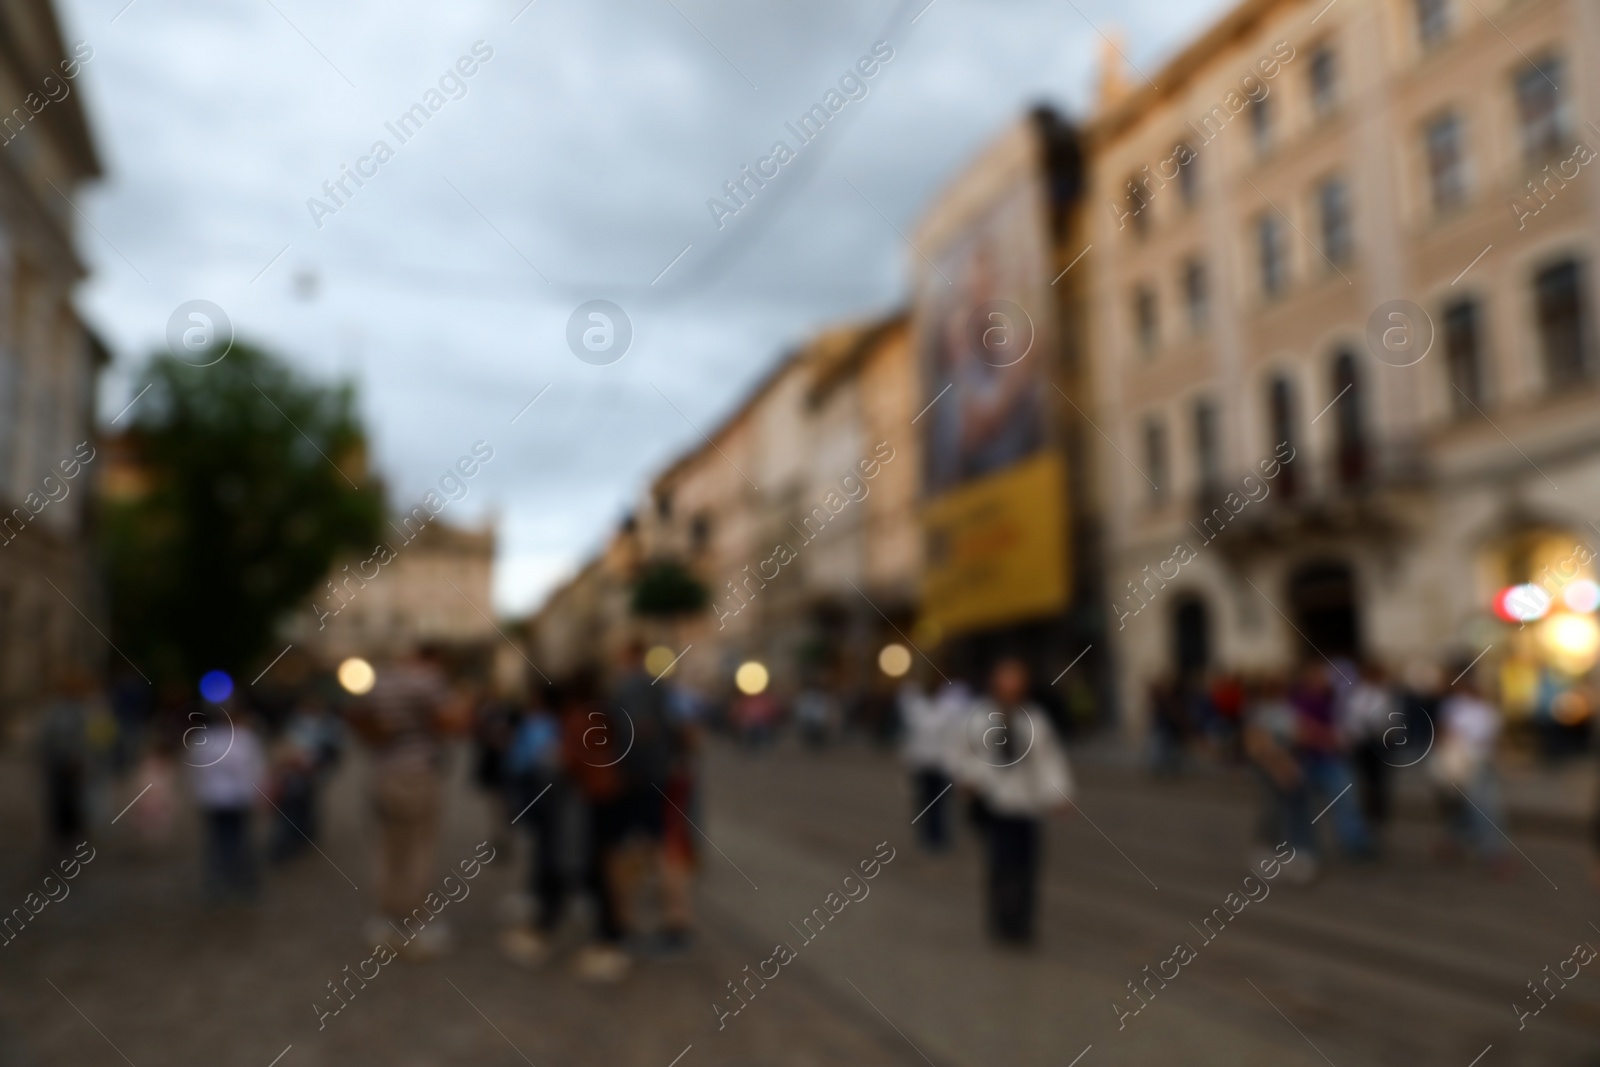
(1405, 963)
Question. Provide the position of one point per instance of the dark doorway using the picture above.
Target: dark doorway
(1322, 599)
(1191, 637)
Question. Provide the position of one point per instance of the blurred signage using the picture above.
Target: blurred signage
(984, 320)
(997, 548)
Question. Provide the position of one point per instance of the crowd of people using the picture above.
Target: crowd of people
(596, 773)
(1330, 738)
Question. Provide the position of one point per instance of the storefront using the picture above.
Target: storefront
(1540, 597)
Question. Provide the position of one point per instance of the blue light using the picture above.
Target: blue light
(216, 686)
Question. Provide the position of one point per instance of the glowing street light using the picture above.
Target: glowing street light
(659, 660)
(894, 660)
(751, 678)
(356, 676)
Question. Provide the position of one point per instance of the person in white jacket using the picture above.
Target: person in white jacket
(227, 772)
(927, 724)
(1008, 755)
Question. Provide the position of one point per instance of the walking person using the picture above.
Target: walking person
(816, 713)
(403, 720)
(591, 750)
(492, 724)
(302, 760)
(66, 758)
(1371, 708)
(1322, 759)
(1463, 771)
(654, 748)
(537, 790)
(927, 722)
(227, 788)
(1269, 730)
(1010, 757)
(1169, 725)
(680, 855)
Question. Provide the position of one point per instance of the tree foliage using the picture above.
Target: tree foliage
(665, 589)
(253, 481)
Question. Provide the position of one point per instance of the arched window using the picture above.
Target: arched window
(1351, 456)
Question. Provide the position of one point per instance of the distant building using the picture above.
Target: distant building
(48, 365)
(791, 516)
(434, 590)
(583, 624)
(1300, 169)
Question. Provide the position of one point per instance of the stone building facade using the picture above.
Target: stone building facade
(49, 362)
(1363, 235)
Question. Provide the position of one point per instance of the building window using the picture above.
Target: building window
(1542, 110)
(1433, 21)
(1447, 161)
(1270, 250)
(1261, 121)
(1463, 349)
(1563, 329)
(1350, 428)
(1188, 173)
(1155, 458)
(1144, 319)
(1196, 295)
(700, 532)
(1281, 417)
(1207, 450)
(1324, 81)
(1333, 204)
(1138, 206)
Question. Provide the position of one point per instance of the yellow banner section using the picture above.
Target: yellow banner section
(997, 548)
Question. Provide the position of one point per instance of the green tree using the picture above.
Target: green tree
(253, 481)
(666, 589)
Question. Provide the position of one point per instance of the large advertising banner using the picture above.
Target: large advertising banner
(996, 548)
(994, 493)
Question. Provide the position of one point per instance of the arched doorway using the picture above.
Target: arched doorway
(1322, 599)
(1191, 637)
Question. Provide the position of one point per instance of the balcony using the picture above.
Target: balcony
(1362, 492)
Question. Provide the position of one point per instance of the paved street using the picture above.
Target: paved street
(1408, 963)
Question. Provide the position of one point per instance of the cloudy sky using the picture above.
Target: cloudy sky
(574, 164)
